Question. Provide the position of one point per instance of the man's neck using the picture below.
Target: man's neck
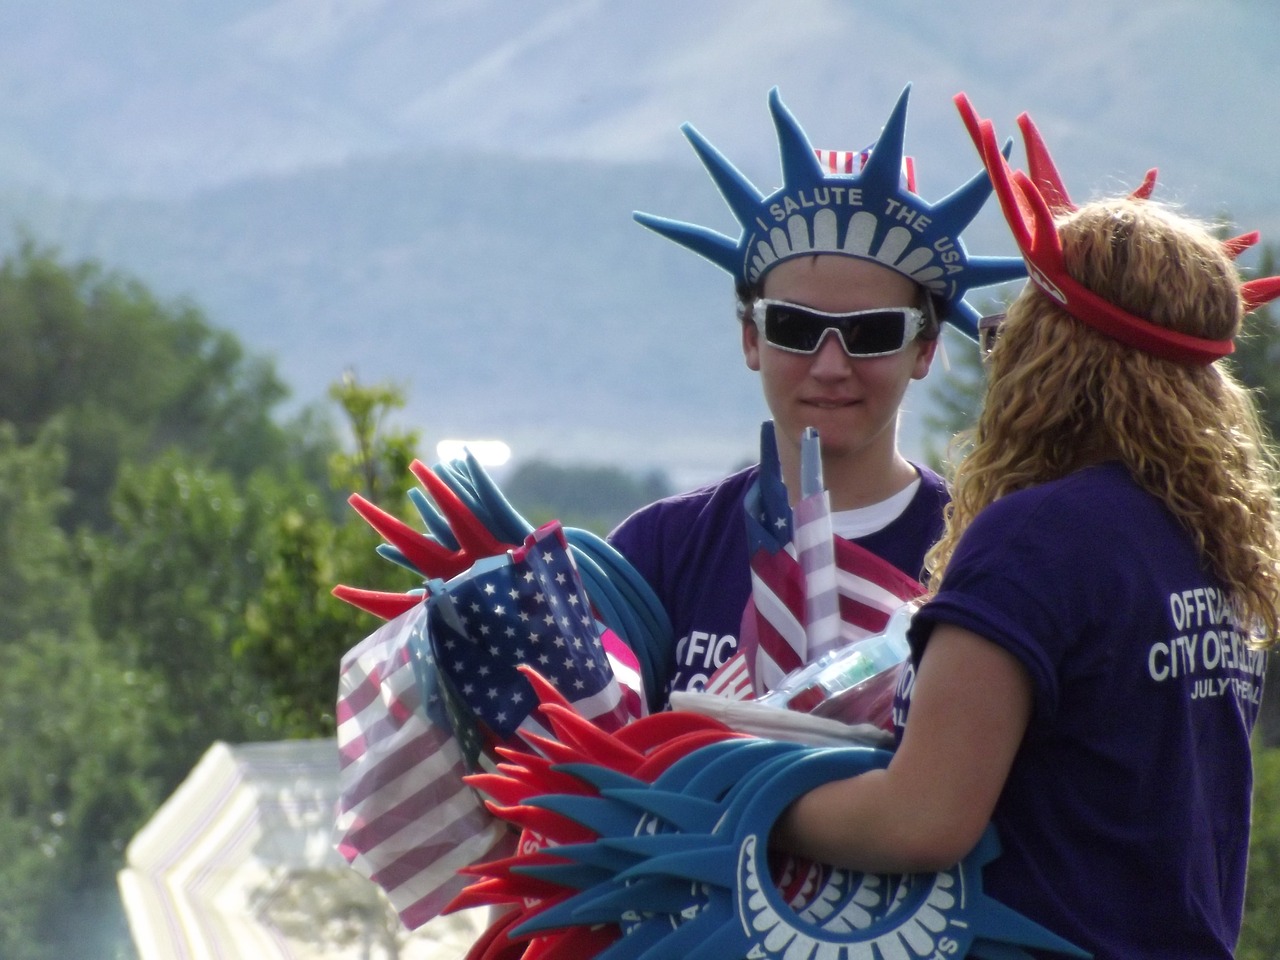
(853, 480)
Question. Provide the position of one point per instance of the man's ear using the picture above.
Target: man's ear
(924, 359)
(751, 345)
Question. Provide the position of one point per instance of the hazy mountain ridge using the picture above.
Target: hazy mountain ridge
(439, 194)
(456, 296)
(152, 97)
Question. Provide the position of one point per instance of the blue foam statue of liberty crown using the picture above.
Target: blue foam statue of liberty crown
(868, 213)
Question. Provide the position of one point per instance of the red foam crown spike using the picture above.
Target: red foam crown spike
(1030, 202)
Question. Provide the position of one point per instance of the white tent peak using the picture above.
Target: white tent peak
(240, 862)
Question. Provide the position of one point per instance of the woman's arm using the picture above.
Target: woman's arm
(969, 709)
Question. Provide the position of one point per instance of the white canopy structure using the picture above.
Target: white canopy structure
(239, 863)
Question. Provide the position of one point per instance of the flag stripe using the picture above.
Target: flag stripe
(380, 721)
(816, 554)
(421, 751)
(732, 679)
(401, 778)
(781, 632)
(860, 619)
(878, 574)
(419, 901)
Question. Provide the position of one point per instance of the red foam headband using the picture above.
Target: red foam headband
(1029, 203)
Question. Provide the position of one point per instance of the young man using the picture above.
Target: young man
(843, 276)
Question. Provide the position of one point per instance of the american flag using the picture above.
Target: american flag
(811, 591)
(777, 580)
(852, 161)
(528, 606)
(422, 699)
(405, 818)
(813, 541)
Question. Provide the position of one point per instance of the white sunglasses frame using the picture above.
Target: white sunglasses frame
(915, 322)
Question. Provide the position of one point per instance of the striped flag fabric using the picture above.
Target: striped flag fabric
(870, 591)
(778, 639)
(843, 161)
(811, 591)
(428, 697)
(852, 161)
(732, 679)
(813, 541)
(405, 819)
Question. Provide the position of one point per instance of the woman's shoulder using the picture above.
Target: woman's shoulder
(1093, 504)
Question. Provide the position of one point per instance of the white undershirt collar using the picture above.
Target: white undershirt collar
(852, 524)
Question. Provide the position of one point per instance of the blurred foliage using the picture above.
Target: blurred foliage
(956, 396)
(76, 747)
(167, 551)
(35, 554)
(596, 498)
(1260, 937)
(130, 377)
(170, 585)
(142, 482)
(378, 466)
(294, 632)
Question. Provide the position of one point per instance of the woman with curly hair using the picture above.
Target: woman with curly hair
(1088, 667)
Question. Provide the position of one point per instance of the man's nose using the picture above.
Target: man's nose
(830, 358)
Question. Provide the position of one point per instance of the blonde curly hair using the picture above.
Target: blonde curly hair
(1062, 395)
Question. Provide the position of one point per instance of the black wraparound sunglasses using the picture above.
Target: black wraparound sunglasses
(862, 333)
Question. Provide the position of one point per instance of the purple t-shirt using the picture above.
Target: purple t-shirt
(692, 549)
(1125, 818)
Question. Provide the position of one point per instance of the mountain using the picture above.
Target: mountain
(534, 310)
(439, 193)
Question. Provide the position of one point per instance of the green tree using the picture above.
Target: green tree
(171, 582)
(593, 497)
(295, 632)
(1260, 937)
(131, 377)
(77, 742)
(956, 399)
(152, 516)
(74, 730)
(378, 466)
(178, 582)
(35, 555)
